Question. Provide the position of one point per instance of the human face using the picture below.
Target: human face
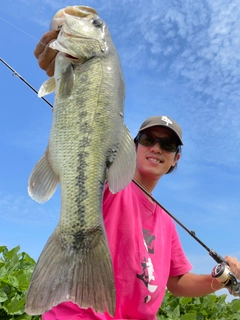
(152, 161)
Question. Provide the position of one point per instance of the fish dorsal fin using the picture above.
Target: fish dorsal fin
(47, 87)
(120, 173)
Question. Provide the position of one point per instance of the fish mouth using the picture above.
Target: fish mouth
(74, 59)
(70, 57)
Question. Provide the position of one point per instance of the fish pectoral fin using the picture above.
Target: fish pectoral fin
(47, 87)
(80, 273)
(66, 82)
(43, 181)
(120, 173)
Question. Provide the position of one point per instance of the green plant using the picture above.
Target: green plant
(210, 307)
(15, 273)
(16, 270)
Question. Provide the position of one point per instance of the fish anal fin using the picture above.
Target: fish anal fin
(43, 181)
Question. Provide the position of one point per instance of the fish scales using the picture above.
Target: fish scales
(88, 144)
(85, 155)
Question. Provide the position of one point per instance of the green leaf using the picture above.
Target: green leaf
(221, 299)
(5, 288)
(209, 300)
(3, 249)
(3, 296)
(13, 252)
(189, 316)
(3, 272)
(13, 281)
(176, 312)
(12, 264)
(235, 305)
(23, 279)
(16, 306)
(185, 300)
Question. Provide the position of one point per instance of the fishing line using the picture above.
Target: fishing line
(28, 34)
(15, 73)
(18, 28)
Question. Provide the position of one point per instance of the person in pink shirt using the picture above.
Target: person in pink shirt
(145, 248)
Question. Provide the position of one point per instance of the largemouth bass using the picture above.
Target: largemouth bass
(89, 144)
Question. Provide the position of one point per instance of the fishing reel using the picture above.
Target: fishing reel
(223, 274)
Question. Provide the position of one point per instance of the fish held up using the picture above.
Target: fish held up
(88, 144)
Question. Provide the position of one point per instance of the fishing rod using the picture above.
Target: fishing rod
(212, 253)
(222, 270)
(15, 73)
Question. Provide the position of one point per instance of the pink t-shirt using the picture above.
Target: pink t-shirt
(145, 250)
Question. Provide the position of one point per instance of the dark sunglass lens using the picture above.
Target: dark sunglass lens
(169, 145)
(166, 144)
(146, 140)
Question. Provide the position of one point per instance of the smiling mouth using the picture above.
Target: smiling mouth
(154, 160)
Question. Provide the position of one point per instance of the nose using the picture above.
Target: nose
(156, 148)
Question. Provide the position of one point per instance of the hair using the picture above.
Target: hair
(173, 168)
(179, 151)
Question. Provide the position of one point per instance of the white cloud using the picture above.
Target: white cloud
(22, 210)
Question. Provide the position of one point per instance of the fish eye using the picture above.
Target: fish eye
(97, 22)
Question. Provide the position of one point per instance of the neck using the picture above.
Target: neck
(146, 193)
(147, 184)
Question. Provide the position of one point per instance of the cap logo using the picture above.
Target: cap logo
(167, 120)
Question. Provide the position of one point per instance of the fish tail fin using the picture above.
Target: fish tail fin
(94, 281)
(67, 273)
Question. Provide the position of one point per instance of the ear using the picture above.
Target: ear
(177, 157)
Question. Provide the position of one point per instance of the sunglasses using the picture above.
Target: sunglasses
(149, 140)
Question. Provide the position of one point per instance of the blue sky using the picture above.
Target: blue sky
(179, 58)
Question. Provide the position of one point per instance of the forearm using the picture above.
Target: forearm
(193, 285)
